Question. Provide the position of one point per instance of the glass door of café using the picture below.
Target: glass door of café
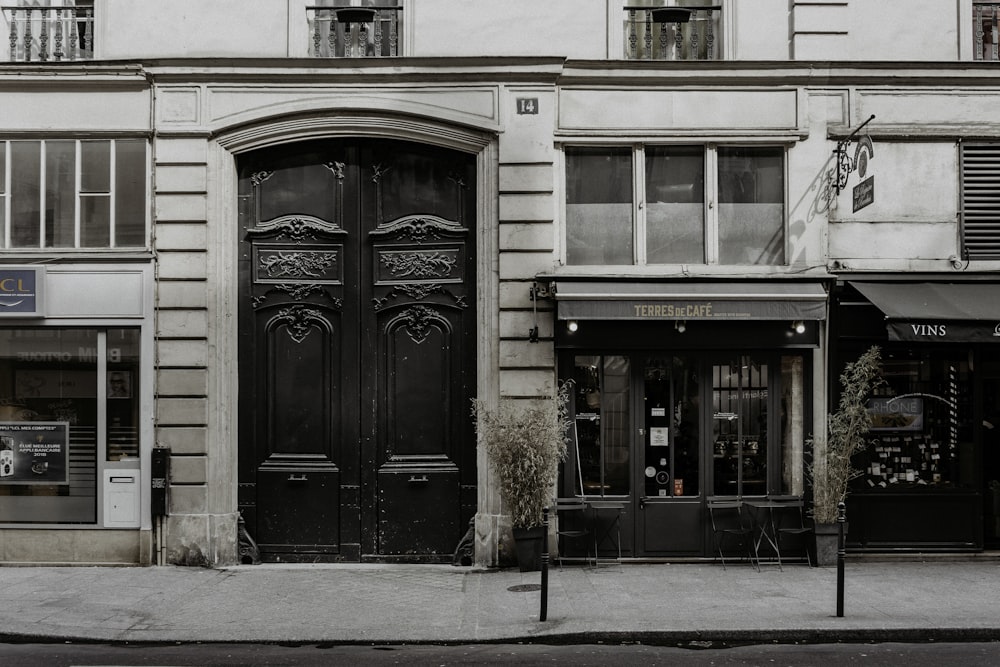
(661, 432)
(637, 433)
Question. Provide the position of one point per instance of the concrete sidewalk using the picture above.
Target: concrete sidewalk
(658, 603)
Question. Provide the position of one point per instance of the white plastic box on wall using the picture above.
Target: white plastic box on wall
(121, 498)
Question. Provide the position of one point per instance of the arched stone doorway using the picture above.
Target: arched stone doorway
(357, 348)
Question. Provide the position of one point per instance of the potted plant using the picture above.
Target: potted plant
(525, 445)
(832, 469)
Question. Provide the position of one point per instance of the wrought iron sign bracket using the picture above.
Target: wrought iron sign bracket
(845, 163)
(535, 292)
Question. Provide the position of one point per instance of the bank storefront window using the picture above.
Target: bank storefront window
(69, 405)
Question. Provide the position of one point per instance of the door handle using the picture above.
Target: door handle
(418, 480)
(642, 502)
(297, 478)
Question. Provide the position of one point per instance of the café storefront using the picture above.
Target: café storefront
(931, 469)
(685, 390)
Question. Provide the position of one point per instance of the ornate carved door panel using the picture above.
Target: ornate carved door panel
(357, 327)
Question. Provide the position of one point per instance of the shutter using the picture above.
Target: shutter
(981, 201)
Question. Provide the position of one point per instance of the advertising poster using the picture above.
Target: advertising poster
(896, 414)
(34, 452)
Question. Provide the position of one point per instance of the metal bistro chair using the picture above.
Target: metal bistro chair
(791, 522)
(730, 524)
(573, 525)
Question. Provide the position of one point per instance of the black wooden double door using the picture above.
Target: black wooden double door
(356, 349)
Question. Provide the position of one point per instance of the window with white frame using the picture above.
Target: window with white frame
(73, 193)
(694, 205)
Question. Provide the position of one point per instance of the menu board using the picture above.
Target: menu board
(34, 452)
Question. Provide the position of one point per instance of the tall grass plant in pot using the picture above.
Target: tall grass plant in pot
(525, 443)
(832, 469)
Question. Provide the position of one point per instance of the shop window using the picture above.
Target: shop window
(677, 221)
(69, 409)
(65, 194)
(740, 427)
(922, 430)
(603, 419)
(980, 200)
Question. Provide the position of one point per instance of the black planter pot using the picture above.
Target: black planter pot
(528, 546)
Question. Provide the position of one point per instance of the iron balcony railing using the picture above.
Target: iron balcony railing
(984, 30)
(354, 32)
(672, 33)
(46, 34)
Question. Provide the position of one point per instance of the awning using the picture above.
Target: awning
(937, 312)
(607, 300)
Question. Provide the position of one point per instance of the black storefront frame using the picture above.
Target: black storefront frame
(916, 519)
(707, 343)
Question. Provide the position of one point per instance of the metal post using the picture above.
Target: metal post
(841, 520)
(543, 613)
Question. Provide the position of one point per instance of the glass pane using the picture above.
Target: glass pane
(130, 193)
(95, 166)
(95, 221)
(123, 394)
(792, 425)
(3, 167)
(922, 435)
(25, 193)
(302, 185)
(675, 204)
(60, 194)
(671, 400)
(751, 205)
(599, 206)
(48, 426)
(602, 423)
(739, 424)
(418, 179)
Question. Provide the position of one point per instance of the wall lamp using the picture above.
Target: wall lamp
(798, 326)
(680, 326)
(572, 325)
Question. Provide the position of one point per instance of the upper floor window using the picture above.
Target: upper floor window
(984, 30)
(73, 193)
(696, 205)
(355, 28)
(690, 30)
(51, 30)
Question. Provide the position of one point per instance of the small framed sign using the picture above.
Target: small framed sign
(21, 291)
(527, 105)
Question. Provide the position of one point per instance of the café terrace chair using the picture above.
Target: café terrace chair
(791, 522)
(573, 526)
(730, 525)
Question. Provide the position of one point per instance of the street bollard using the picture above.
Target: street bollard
(841, 520)
(543, 613)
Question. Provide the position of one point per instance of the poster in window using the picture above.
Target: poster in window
(119, 384)
(34, 453)
(897, 413)
(658, 437)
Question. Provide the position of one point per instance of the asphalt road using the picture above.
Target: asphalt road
(694, 655)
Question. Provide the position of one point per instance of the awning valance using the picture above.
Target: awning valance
(937, 312)
(607, 300)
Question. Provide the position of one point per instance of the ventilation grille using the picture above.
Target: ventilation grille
(981, 201)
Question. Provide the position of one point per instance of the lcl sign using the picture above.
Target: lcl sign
(21, 291)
